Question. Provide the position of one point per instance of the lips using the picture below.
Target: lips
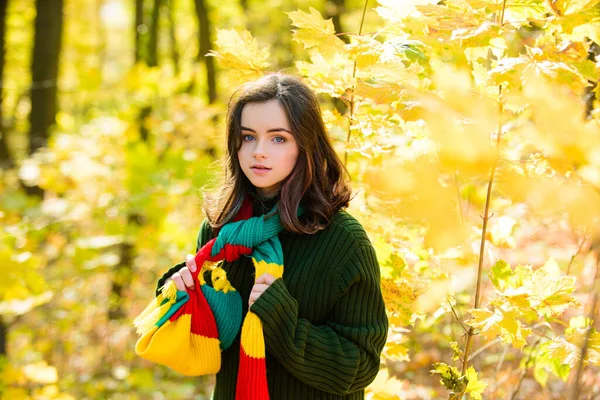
(260, 169)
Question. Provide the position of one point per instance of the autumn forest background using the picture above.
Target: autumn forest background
(470, 129)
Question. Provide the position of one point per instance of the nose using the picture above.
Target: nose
(259, 150)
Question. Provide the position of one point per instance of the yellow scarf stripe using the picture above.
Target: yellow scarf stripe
(185, 352)
(252, 338)
(263, 267)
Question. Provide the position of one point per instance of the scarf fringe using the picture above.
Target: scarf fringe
(156, 309)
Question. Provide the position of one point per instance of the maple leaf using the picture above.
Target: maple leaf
(475, 387)
(364, 50)
(239, 52)
(395, 11)
(551, 292)
(314, 31)
(452, 16)
(520, 12)
(500, 322)
(399, 297)
(568, 349)
(329, 73)
(545, 290)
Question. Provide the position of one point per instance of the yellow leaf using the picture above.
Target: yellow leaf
(329, 73)
(475, 387)
(460, 122)
(568, 350)
(565, 7)
(364, 50)
(416, 188)
(314, 31)
(239, 52)
(452, 16)
(500, 322)
(395, 11)
(378, 93)
(520, 12)
(399, 297)
(385, 387)
(500, 232)
(551, 292)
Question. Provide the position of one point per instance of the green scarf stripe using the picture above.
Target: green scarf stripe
(248, 233)
(270, 251)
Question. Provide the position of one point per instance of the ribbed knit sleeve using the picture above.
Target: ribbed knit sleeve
(204, 235)
(342, 355)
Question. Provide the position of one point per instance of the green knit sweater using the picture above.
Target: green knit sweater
(324, 322)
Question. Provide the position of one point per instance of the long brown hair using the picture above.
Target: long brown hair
(318, 178)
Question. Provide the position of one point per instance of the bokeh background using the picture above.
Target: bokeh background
(469, 129)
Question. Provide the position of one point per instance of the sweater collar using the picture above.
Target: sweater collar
(262, 205)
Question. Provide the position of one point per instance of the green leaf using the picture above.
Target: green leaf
(450, 378)
(501, 271)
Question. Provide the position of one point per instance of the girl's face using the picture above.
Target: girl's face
(269, 150)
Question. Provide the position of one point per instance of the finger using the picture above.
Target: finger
(186, 275)
(252, 298)
(190, 262)
(178, 282)
(266, 278)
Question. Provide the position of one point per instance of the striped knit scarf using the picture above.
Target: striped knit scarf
(256, 237)
(246, 235)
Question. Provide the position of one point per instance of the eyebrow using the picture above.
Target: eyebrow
(269, 131)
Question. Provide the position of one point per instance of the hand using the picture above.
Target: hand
(261, 284)
(183, 278)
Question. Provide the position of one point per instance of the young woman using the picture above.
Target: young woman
(324, 320)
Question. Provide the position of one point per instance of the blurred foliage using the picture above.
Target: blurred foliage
(437, 95)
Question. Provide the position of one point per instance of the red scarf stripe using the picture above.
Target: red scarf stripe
(252, 378)
(231, 252)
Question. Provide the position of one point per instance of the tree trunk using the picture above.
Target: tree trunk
(3, 337)
(146, 51)
(44, 68)
(173, 37)
(590, 91)
(6, 160)
(152, 60)
(206, 45)
(139, 26)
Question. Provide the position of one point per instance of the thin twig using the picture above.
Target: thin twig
(484, 228)
(462, 218)
(492, 390)
(485, 346)
(524, 371)
(458, 319)
(585, 239)
(574, 392)
(351, 117)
